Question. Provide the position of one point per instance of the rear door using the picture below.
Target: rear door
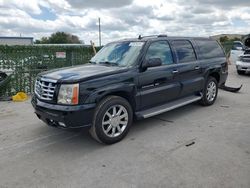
(189, 69)
(157, 85)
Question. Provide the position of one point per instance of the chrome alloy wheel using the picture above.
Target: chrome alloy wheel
(211, 91)
(115, 121)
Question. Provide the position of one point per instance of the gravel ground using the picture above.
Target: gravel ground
(192, 146)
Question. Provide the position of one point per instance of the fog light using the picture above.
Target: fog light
(62, 124)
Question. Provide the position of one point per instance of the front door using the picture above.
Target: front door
(157, 85)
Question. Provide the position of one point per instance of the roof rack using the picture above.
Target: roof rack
(162, 35)
(141, 37)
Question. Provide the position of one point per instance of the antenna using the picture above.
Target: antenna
(99, 27)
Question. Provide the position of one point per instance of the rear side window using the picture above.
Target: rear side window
(185, 51)
(160, 49)
(209, 49)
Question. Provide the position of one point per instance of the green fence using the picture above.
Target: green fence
(23, 63)
(227, 46)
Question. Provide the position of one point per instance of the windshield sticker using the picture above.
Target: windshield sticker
(136, 44)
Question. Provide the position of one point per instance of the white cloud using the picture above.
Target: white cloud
(123, 19)
(26, 5)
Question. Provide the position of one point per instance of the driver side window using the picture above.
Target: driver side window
(160, 49)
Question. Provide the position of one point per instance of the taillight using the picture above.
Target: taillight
(224, 66)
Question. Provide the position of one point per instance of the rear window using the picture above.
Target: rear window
(209, 49)
(184, 50)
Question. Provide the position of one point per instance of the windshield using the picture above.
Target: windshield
(118, 53)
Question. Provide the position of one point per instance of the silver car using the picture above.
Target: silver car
(243, 62)
(237, 50)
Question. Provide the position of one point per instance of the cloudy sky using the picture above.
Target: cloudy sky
(123, 18)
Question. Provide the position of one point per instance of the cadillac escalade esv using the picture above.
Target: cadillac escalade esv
(130, 79)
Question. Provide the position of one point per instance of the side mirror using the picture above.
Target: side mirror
(153, 62)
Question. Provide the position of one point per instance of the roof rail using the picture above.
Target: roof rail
(141, 37)
(162, 35)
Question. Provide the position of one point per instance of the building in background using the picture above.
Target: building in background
(16, 40)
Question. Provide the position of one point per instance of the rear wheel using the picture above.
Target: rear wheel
(240, 72)
(112, 120)
(210, 92)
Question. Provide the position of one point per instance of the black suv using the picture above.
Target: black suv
(131, 79)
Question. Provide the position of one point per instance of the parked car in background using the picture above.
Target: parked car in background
(131, 79)
(243, 62)
(237, 50)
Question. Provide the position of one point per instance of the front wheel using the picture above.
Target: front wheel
(112, 120)
(210, 92)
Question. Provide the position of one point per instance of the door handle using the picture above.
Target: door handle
(196, 68)
(175, 71)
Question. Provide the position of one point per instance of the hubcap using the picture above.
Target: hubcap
(115, 121)
(211, 91)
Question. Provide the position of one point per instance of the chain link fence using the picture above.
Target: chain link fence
(23, 63)
(227, 47)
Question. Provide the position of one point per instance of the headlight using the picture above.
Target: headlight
(68, 94)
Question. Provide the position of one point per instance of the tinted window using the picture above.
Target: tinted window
(209, 49)
(184, 50)
(160, 49)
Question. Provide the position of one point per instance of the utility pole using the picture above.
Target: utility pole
(99, 24)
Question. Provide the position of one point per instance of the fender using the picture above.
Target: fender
(128, 89)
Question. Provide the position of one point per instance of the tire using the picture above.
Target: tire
(112, 119)
(240, 72)
(210, 92)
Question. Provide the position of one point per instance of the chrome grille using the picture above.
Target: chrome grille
(246, 59)
(45, 88)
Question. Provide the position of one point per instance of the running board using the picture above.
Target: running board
(167, 107)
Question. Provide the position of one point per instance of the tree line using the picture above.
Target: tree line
(227, 39)
(60, 38)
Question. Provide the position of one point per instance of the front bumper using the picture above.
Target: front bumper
(242, 66)
(63, 116)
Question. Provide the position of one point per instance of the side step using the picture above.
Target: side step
(167, 107)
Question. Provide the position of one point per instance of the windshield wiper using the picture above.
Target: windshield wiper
(109, 63)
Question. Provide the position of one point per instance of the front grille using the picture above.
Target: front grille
(45, 89)
(246, 59)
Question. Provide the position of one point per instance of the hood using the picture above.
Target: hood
(82, 72)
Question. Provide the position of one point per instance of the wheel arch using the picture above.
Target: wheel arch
(215, 74)
(123, 94)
